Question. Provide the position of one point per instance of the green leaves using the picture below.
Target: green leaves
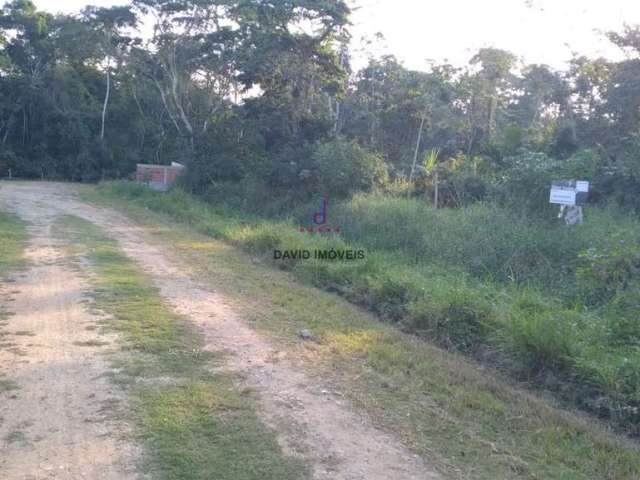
(431, 160)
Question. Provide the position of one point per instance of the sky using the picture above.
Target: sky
(416, 31)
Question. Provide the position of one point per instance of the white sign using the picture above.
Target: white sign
(562, 196)
(582, 186)
(569, 192)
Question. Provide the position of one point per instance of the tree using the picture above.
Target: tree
(107, 25)
(490, 92)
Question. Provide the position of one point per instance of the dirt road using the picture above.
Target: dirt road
(55, 423)
(60, 388)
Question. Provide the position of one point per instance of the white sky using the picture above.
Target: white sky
(539, 31)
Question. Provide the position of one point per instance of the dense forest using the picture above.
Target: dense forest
(263, 92)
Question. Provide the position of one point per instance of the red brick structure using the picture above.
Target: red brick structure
(158, 177)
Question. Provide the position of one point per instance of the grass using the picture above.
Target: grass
(12, 242)
(16, 436)
(91, 343)
(24, 333)
(454, 413)
(476, 280)
(13, 238)
(194, 423)
(7, 385)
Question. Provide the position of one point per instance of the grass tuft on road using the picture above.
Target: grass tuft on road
(13, 238)
(196, 425)
(451, 411)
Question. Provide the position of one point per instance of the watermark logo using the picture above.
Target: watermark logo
(320, 220)
(326, 254)
(320, 224)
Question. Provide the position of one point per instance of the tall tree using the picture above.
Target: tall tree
(108, 24)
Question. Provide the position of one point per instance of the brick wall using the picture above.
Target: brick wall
(158, 177)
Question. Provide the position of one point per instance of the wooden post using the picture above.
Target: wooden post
(435, 193)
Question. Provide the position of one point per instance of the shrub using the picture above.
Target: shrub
(615, 377)
(526, 180)
(609, 270)
(454, 315)
(390, 291)
(539, 337)
(343, 167)
(292, 165)
(249, 195)
(467, 188)
(584, 164)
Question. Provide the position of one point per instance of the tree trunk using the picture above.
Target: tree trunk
(166, 106)
(172, 70)
(7, 129)
(372, 136)
(106, 101)
(415, 152)
(24, 125)
(491, 121)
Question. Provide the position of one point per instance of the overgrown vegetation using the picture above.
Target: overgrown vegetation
(193, 422)
(482, 280)
(457, 415)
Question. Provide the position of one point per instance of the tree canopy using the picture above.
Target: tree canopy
(256, 89)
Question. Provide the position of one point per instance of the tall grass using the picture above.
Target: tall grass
(482, 279)
(486, 241)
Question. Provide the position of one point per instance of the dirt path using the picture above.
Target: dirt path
(55, 424)
(339, 443)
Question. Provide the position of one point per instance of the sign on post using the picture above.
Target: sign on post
(569, 192)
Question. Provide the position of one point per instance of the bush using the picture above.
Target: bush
(454, 315)
(342, 168)
(249, 195)
(220, 157)
(609, 270)
(526, 180)
(621, 320)
(582, 165)
(541, 337)
(467, 188)
(291, 171)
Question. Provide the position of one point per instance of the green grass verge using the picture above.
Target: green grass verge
(564, 347)
(13, 239)
(196, 425)
(448, 409)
